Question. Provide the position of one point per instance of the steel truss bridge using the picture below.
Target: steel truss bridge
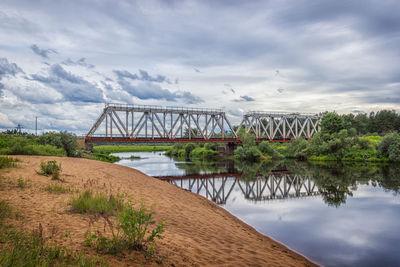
(219, 187)
(132, 123)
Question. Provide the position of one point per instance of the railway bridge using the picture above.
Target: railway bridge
(144, 124)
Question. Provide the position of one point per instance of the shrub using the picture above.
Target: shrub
(210, 146)
(51, 168)
(298, 148)
(267, 149)
(133, 232)
(87, 202)
(203, 153)
(66, 141)
(6, 162)
(386, 142)
(188, 148)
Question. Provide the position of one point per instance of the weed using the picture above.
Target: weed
(51, 168)
(5, 210)
(57, 189)
(30, 249)
(6, 162)
(132, 231)
(99, 203)
(21, 183)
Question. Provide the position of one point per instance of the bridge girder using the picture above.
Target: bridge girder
(280, 126)
(161, 124)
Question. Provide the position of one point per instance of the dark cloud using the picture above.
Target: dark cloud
(244, 98)
(72, 87)
(44, 53)
(7, 68)
(280, 90)
(143, 76)
(148, 90)
(80, 62)
(121, 74)
(197, 70)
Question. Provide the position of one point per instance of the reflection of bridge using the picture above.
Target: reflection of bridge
(218, 187)
(130, 123)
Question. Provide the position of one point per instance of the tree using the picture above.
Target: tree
(332, 123)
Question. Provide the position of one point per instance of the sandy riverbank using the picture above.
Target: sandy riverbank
(199, 233)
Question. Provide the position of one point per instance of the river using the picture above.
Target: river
(333, 215)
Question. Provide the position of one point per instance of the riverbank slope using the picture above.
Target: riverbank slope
(199, 233)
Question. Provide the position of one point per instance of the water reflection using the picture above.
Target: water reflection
(336, 215)
(218, 187)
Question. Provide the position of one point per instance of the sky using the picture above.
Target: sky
(61, 61)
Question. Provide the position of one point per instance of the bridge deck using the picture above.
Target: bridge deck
(93, 139)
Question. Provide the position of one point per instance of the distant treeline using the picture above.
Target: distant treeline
(381, 122)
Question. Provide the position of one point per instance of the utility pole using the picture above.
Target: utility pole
(36, 125)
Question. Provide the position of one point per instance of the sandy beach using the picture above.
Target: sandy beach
(199, 233)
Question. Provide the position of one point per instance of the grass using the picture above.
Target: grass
(5, 211)
(99, 203)
(57, 189)
(7, 162)
(19, 248)
(106, 149)
(50, 168)
(105, 157)
(21, 183)
(132, 232)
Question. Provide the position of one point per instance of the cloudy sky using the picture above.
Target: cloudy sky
(62, 60)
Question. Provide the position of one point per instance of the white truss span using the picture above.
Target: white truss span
(155, 122)
(280, 126)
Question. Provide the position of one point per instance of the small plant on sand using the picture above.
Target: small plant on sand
(57, 189)
(50, 168)
(21, 183)
(134, 230)
(5, 210)
(6, 162)
(99, 203)
(31, 249)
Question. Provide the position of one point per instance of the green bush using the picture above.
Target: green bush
(6, 162)
(88, 202)
(386, 142)
(298, 148)
(66, 141)
(133, 232)
(269, 150)
(50, 168)
(188, 148)
(203, 153)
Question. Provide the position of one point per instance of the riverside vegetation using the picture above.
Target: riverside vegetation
(342, 138)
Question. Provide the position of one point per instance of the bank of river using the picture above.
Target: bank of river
(336, 216)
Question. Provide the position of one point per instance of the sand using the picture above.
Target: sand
(199, 233)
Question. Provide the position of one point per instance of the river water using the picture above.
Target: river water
(334, 215)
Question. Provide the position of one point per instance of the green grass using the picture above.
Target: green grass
(19, 248)
(22, 183)
(104, 157)
(57, 189)
(99, 203)
(50, 168)
(5, 211)
(132, 230)
(106, 149)
(7, 162)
